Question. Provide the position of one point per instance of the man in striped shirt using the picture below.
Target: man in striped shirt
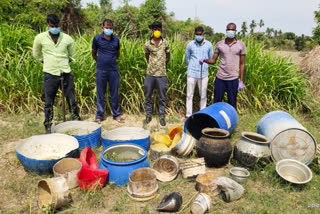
(197, 74)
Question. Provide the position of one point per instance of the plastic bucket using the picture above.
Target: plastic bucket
(201, 204)
(92, 179)
(87, 133)
(289, 139)
(68, 168)
(218, 115)
(185, 145)
(134, 135)
(142, 184)
(88, 158)
(53, 192)
(121, 160)
(166, 168)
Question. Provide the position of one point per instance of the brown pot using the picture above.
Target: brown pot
(214, 145)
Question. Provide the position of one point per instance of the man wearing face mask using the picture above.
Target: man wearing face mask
(157, 53)
(232, 61)
(55, 50)
(197, 74)
(107, 46)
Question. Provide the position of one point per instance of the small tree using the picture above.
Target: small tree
(268, 32)
(289, 36)
(252, 26)
(261, 24)
(244, 28)
(300, 42)
(316, 30)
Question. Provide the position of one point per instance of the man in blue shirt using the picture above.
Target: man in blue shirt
(108, 48)
(197, 74)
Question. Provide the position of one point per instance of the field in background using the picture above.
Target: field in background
(265, 191)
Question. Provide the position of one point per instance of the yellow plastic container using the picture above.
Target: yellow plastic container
(162, 138)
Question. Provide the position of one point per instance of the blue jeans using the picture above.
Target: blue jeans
(229, 86)
(102, 78)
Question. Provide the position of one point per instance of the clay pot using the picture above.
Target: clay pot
(214, 145)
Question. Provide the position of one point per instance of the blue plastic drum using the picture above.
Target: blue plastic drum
(289, 139)
(87, 133)
(219, 115)
(39, 153)
(134, 135)
(121, 160)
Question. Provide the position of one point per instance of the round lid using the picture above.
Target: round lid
(296, 144)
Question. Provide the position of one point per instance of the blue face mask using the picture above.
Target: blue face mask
(54, 30)
(199, 38)
(108, 32)
(230, 34)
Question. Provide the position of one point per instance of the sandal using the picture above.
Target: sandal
(119, 119)
(97, 120)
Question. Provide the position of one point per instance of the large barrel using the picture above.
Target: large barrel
(289, 139)
(87, 133)
(121, 160)
(134, 135)
(218, 115)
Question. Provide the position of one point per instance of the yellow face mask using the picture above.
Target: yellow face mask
(156, 34)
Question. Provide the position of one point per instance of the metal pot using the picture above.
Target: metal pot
(252, 149)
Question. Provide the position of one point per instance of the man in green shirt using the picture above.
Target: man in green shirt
(157, 53)
(55, 50)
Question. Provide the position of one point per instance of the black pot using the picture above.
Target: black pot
(214, 145)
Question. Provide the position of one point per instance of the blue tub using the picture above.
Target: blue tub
(39, 153)
(289, 139)
(218, 115)
(119, 171)
(87, 133)
(134, 135)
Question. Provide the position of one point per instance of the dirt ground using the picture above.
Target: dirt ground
(19, 188)
(296, 56)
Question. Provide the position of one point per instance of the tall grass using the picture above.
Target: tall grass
(271, 81)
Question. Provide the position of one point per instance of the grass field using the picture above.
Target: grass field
(265, 191)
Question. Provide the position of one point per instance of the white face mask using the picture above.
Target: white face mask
(230, 34)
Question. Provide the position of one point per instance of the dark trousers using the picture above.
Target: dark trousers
(51, 86)
(149, 83)
(102, 78)
(229, 86)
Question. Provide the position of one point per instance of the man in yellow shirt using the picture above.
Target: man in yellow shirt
(55, 50)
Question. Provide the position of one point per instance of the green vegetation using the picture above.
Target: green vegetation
(271, 81)
(118, 158)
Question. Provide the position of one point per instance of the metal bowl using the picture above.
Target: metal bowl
(239, 174)
(294, 171)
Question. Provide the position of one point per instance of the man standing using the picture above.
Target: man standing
(232, 60)
(157, 53)
(55, 50)
(197, 49)
(108, 48)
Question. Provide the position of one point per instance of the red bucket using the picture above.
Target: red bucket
(92, 179)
